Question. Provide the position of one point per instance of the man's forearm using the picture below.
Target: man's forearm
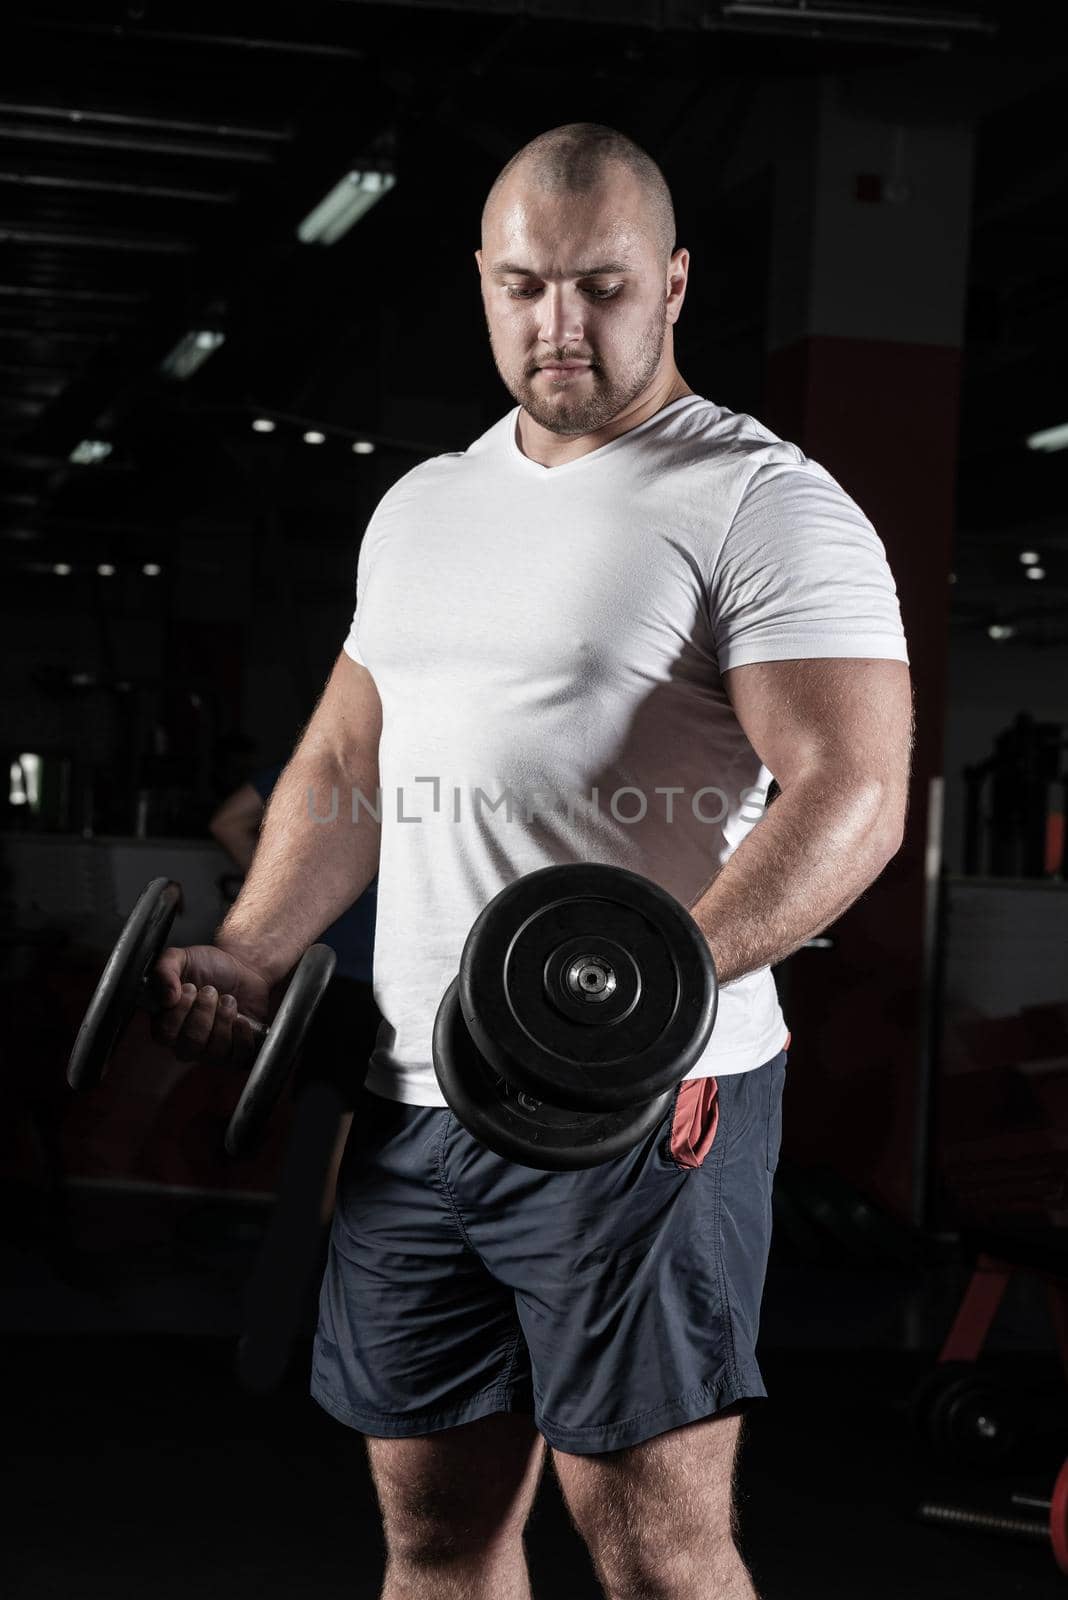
(812, 854)
(317, 852)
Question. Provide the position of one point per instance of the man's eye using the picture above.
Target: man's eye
(597, 294)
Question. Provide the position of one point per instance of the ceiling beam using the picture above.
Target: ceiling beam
(84, 138)
(95, 114)
(70, 183)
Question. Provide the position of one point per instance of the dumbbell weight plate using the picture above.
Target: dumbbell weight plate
(1058, 1518)
(965, 1415)
(139, 946)
(517, 1126)
(974, 1422)
(588, 986)
(122, 989)
(277, 1054)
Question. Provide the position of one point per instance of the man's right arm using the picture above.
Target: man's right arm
(319, 841)
(304, 874)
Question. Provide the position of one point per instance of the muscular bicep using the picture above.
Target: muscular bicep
(845, 719)
(346, 725)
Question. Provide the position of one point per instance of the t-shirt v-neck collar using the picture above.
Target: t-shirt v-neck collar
(546, 473)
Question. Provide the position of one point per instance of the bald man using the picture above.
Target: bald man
(627, 610)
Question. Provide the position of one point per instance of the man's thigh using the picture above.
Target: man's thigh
(674, 1492)
(462, 1488)
(692, 1464)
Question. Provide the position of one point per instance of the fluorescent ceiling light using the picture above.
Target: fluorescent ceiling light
(31, 770)
(262, 425)
(191, 352)
(151, 569)
(344, 205)
(62, 569)
(1049, 438)
(1036, 572)
(106, 570)
(1001, 630)
(1030, 558)
(313, 436)
(90, 451)
(25, 781)
(363, 447)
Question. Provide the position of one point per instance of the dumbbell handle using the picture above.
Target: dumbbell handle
(989, 1522)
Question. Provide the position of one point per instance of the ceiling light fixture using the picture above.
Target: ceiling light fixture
(346, 203)
(1049, 439)
(90, 451)
(191, 352)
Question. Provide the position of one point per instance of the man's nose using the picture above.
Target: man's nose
(561, 318)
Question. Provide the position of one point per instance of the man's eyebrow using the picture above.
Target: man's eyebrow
(500, 268)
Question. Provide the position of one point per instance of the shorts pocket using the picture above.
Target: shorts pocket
(694, 1122)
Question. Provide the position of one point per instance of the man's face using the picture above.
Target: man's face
(575, 278)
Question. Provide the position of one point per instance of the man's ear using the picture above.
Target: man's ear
(478, 258)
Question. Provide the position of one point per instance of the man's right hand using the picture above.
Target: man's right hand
(204, 994)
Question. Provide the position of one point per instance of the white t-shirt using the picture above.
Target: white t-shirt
(548, 645)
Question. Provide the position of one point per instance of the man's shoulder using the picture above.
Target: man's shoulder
(705, 430)
(431, 475)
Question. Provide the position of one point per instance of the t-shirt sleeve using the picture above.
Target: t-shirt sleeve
(801, 573)
(350, 647)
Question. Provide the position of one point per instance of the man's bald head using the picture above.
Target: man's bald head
(575, 159)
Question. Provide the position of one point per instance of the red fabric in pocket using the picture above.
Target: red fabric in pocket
(695, 1122)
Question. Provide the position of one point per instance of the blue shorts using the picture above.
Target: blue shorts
(610, 1304)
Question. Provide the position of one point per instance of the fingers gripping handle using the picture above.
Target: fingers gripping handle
(124, 987)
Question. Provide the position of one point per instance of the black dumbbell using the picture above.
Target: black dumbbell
(1052, 1529)
(585, 994)
(124, 988)
(965, 1415)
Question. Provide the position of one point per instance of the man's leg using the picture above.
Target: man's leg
(454, 1505)
(659, 1518)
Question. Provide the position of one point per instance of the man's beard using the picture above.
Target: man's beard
(600, 400)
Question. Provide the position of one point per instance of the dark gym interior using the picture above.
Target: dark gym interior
(202, 401)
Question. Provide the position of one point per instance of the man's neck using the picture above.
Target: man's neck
(550, 449)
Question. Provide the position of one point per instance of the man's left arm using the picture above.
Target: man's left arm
(837, 736)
